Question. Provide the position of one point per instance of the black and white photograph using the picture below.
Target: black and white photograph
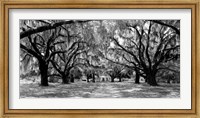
(99, 58)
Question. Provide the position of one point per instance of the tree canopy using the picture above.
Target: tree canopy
(146, 47)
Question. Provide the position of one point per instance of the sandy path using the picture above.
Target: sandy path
(105, 90)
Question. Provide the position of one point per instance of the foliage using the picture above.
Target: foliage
(145, 46)
(70, 48)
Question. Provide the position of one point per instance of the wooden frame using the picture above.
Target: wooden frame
(6, 5)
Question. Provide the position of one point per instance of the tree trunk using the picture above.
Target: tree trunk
(120, 79)
(152, 79)
(64, 79)
(93, 78)
(72, 79)
(137, 78)
(168, 80)
(43, 71)
(146, 80)
(112, 79)
(87, 78)
(102, 79)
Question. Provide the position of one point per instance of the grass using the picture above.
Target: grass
(127, 89)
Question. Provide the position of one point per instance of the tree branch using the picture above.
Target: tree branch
(48, 27)
(31, 52)
(147, 48)
(161, 23)
(129, 52)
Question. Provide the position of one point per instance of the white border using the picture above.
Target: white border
(184, 102)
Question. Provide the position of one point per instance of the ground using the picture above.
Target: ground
(127, 89)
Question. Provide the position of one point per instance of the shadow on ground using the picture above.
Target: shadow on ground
(99, 90)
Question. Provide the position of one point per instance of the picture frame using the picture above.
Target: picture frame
(110, 113)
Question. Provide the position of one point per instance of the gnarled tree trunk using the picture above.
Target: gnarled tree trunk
(120, 79)
(93, 78)
(137, 78)
(151, 79)
(112, 79)
(43, 66)
(65, 79)
(72, 79)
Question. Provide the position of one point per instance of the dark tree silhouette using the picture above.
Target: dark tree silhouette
(65, 62)
(116, 72)
(41, 49)
(39, 39)
(148, 48)
(144, 46)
